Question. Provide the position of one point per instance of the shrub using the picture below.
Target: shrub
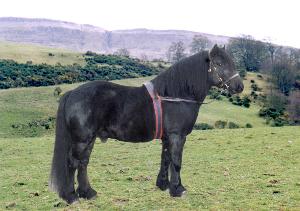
(237, 100)
(57, 91)
(252, 81)
(254, 95)
(248, 125)
(203, 126)
(35, 127)
(50, 54)
(254, 87)
(220, 124)
(260, 76)
(279, 122)
(269, 112)
(232, 125)
(98, 67)
(215, 94)
(90, 53)
(246, 101)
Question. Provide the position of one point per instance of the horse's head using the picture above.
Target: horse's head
(222, 72)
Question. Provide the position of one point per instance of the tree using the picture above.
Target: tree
(293, 107)
(176, 52)
(248, 53)
(283, 77)
(122, 52)
(200, 43)
(276, 100)
(144, 57)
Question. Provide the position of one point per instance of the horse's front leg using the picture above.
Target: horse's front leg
(163, 179)
(176, 143)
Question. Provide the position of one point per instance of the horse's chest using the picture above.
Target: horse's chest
(180, 117)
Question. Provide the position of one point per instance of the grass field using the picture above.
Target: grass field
(38, 54)
(242, 169)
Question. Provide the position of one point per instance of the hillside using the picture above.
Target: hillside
(38, 54)
(23, 106)
(76, 37)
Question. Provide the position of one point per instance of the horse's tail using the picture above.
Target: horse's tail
(60, 176)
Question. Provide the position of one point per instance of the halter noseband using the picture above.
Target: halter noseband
(223, 83)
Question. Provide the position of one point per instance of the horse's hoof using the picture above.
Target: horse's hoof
(89, 194)
(72, 199)
(178, 191)
(162, 184)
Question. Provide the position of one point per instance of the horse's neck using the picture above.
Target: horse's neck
(187, 92)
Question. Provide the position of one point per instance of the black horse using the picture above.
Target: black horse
(107, 110)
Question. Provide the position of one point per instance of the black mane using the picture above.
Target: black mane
(185, 79)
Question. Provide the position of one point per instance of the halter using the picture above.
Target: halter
(223, 84)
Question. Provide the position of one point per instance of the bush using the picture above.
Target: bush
(252, 81)
(269, 113)
(260, 76)
(254, 95)
(232, 125)
(279, 122)
(215, 94)
(237, 100)
(220, 124)
(203, 126)
(57, 91)
(254, 87)
(35, 127)
(248, 125)
(98, 67)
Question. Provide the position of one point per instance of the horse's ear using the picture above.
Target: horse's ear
(212, 51)
(224, 47)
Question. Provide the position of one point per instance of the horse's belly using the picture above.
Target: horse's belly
(130, 131)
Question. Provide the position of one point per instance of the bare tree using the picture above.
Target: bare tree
(122, 52)
(271, 48)
(283, 76)
(293, 107)
(249, 54)
(176, 52)
(144, 57)
(200, 43)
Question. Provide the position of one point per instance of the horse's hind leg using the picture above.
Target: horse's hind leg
(83, 152)
(163, 179)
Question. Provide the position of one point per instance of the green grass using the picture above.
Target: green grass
(261, 83)
(242, 169)
(38, 54)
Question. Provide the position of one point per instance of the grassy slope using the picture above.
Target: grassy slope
(23, 105)
(242, 169)
(38, 54)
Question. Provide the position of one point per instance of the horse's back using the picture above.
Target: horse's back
(109, 110)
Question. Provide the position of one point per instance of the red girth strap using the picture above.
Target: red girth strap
(156, 100)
